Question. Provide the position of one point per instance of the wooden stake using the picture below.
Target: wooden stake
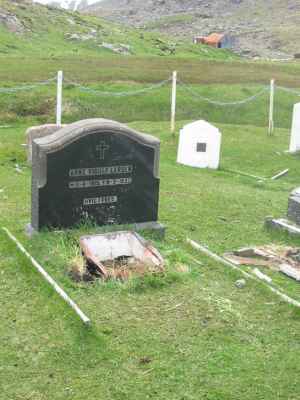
(49, 279)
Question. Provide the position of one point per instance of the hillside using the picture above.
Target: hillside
(28, 28)
(263, 28)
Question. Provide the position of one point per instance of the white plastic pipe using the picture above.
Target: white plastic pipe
(282, 173)
(261, 276)
(49, 279)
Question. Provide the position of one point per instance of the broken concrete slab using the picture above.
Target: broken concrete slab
(119, 255)
(290, 271)
(278, 258)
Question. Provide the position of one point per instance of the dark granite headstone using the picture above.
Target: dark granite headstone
(36, 132)
(95, 170)
(290, 224)
(294, 206)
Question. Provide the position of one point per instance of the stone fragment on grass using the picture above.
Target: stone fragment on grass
(240, 283)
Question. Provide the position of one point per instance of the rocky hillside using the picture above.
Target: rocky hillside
(72, 5)
(28, 28)
(261, 28)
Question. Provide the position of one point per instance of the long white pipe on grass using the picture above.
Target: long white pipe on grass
(210, 254)
(49, 279)
(282, 173)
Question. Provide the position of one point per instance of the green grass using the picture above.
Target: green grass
(148, 69)
(203, 338)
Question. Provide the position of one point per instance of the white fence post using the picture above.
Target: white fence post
(295, 132)
(271, 111)
(173, 103)
(59, 97)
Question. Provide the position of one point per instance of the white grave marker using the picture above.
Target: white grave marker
(295, 134)
(199, 145)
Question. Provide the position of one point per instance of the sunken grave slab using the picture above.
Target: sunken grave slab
(95, 170)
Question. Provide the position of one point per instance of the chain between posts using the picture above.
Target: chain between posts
(220, 103)
(288, 90)
(144, 90)
(155, 86)
(26, 87)
(118, 94)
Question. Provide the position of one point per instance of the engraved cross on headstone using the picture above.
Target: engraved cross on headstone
(101, 148)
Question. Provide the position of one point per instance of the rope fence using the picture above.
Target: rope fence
(173, 79)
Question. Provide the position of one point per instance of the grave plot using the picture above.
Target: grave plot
(118, 255)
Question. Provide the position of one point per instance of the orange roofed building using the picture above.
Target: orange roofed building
(218, 40)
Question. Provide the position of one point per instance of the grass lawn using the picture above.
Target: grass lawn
(182, 336)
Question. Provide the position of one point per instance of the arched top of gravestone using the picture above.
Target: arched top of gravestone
(69, 134)
(201, 124)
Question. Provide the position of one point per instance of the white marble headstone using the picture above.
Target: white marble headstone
(199, 145)
(295, 134)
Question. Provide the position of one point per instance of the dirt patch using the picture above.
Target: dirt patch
(122, 268)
